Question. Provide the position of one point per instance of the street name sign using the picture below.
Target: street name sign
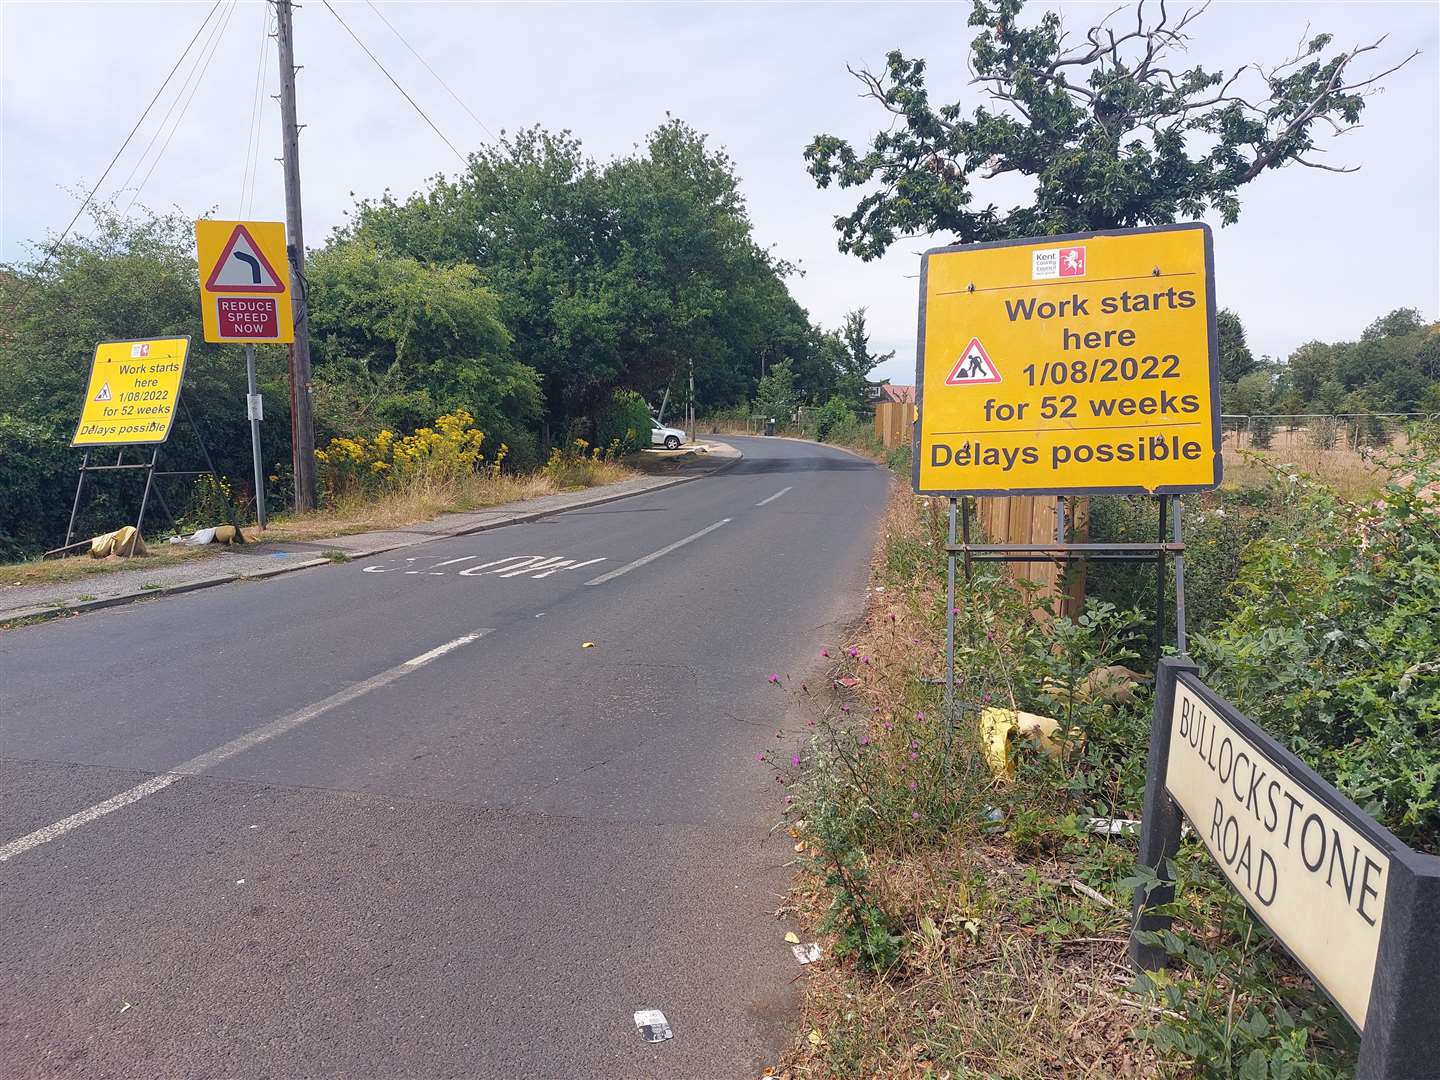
(132, 393)
(1069, 365)
(1356, 907)
(244, 281)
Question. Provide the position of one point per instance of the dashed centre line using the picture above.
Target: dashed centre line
(772, 498)
(657, 554)
(250, 739)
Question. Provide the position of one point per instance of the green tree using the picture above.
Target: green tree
(857, 361)
(1251, 395)
(1397, 323)
(613, 275)
(398, 342)
(1236, 360)
(775, 396)
(1108, 131)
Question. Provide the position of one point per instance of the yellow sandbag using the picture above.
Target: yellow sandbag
(124, 541)
(999, 728)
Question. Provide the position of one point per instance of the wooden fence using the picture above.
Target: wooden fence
(893, 421)
(1030, 519)
(1020, 519)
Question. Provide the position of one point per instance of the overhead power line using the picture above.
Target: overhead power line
(200, 78)
(90, 197)
(252, 138)
(215, 28)
(397, 86)
(430, 69)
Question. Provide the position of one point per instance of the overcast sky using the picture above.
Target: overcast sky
(1314, 255)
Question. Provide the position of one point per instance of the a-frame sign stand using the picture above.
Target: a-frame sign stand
(151, 473)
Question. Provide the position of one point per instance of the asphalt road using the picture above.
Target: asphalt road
(391, 819)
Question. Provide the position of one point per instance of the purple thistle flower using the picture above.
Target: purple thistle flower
(760, 757)
(825, 652)
(911, 785)
(914, 815)
(795, 760)
(914, 756)
(775, 678)
(919, 716)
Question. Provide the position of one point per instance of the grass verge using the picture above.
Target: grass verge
(58, 571)
(976, 926)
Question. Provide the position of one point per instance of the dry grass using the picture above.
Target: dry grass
(1354, 474)
(1007, 972)
(56, 571)
(417, 501)
(412, 503)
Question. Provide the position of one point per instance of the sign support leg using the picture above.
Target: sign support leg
(950, 632)
(1160, 566)
(1181, 643)
(1159, 823)
(145, 495)
(75, 506)
(260, 514)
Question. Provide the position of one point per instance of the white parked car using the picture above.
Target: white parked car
(668, 437)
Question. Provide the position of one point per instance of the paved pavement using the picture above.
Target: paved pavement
(390, 818)
(145, 580)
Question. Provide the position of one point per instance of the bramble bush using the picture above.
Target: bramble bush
(1335, 643)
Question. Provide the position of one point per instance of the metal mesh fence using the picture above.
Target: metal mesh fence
(1316, 431)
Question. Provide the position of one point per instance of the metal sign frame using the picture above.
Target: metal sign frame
(1213, 360)
(1066, 551)
(151, 473)
(1401, 1039)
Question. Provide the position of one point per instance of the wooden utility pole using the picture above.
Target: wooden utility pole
(302, 423)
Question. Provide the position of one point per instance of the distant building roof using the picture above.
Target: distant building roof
(905, 395)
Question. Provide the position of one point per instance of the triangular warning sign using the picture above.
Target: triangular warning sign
(974, 366)
(242, 267)
(104, 394)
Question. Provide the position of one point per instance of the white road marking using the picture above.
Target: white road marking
(534, 566)
(99, 810)
(564, 566)
(772, 498)
(441, 650)
(211, 758)
(656, 554)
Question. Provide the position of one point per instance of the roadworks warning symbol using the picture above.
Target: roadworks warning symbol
(104, 394)
(243, 267)
(974, 366)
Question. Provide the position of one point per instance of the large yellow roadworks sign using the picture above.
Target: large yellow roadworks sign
(133, 392)
(1069, 365)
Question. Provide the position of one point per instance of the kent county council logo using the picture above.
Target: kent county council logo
(1051, 263)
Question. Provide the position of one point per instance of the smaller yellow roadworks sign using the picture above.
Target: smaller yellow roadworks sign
(244, 281)
(133, 392)
(1069, 365)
